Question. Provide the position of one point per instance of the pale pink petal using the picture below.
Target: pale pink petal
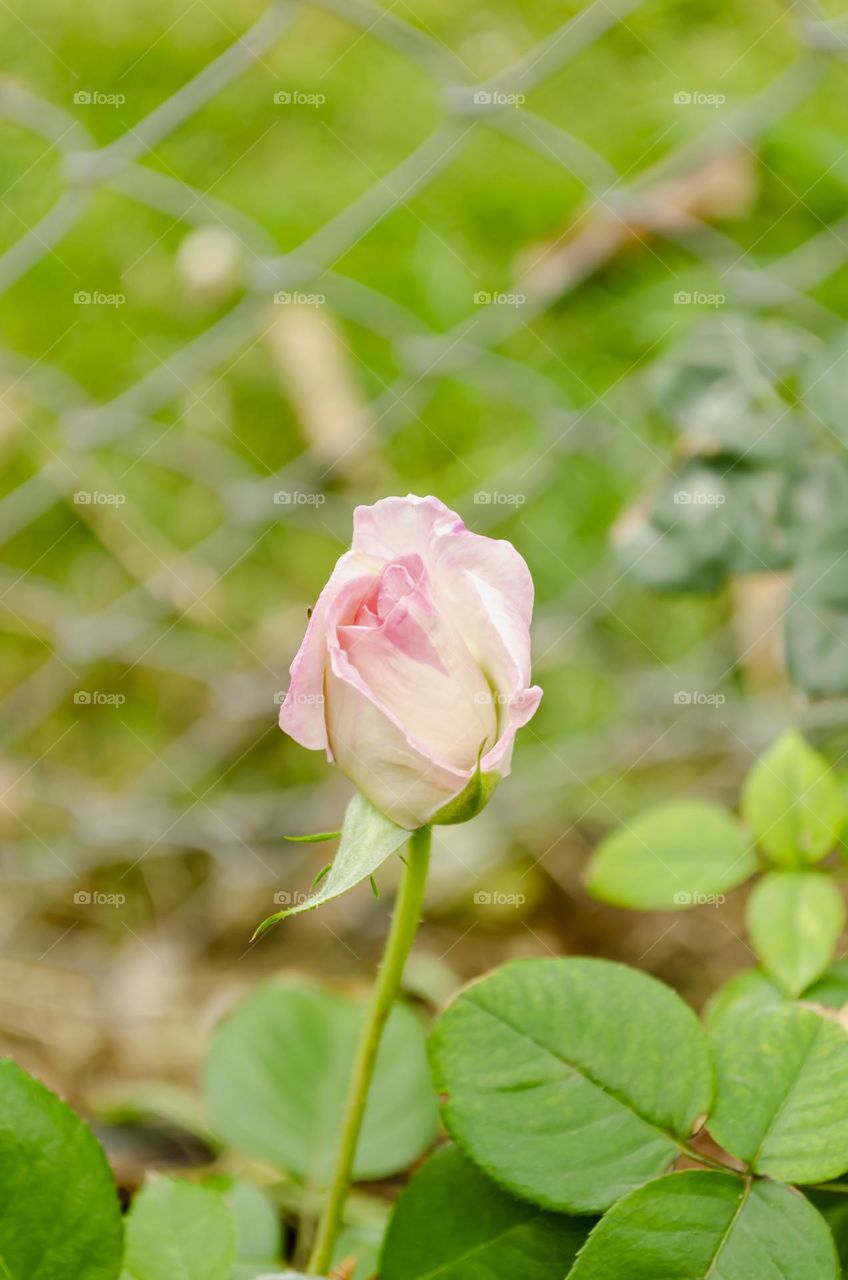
(399, 779)
(520, 708)
(302, 712)
(420, 645)
(486, 586)
(482, 583)
(415, 663)
(396, 527)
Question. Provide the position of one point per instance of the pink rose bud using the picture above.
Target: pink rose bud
(415, 665)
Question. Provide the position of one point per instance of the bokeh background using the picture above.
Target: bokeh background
(261, 263)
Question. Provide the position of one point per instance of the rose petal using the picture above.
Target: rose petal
(302, 712)
(396, 527)
(421, 642)
(520, 708)
(396, 775)
(415, 664)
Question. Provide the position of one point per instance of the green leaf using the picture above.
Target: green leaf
(820, 498)
(570, 1081)
(793, 803)
(179, 1231)
(794, 920)
(276, 1075)
(782, 1076)
(750, 989)
(762, 533)
(361, 1244)
(721, 386)
(722, 515)
(452, 1222)
(157, 1102)
(817, 624)
(682, 544)
(671, 856)
(753, 989)
(368, 839)
(258, 1235)
(833, 1206)
(60, 1214)
(832, 987)
(318, 837)
(824, 388)
(709, 1226)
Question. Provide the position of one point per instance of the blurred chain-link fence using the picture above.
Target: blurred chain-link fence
(161, 556)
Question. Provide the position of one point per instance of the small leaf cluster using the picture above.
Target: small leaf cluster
(274, 1084)
(793, 813)
(762, 483)
(578, 1091)
(598, 1129)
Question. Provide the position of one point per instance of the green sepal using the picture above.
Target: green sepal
(368, 838)
(473, 797)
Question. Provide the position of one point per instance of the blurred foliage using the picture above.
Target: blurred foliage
(763, 484)
(143, 821)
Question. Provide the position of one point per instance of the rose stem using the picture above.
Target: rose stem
(405, 920)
